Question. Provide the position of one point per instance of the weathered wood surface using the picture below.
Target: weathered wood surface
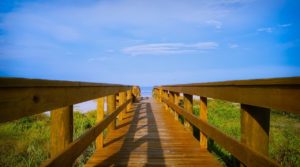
(150, 136)
(99, 118)
(73, 150)
(255, 125)
(203, 116)
(280, 93)
(247, 156)
(25, 97)
(61, 129)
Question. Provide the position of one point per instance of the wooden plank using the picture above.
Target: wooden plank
(203, 116)
(111, 107)
(73, 150)
(251, 92)
(255, 125)
(151, 137)
(241, 151)
(17, 101)
(61, 129)
(100, 116)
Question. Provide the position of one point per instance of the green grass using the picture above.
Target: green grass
(284, 144)
(26, 142)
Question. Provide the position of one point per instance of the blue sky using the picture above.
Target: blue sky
(149, 42)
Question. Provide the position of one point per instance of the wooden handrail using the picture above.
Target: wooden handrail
(256, 98)
(278, 93)
(71, 152)
(24, 97)
(245, 154)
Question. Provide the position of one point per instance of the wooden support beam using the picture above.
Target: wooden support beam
(100, 116)
(111, 107)
(172, 99)
(73, 150)
(188, 106)
(250, 92)
(176, 102)
(203, 117)
(25, 97)
(61, 129)
(255, 124)
(122, 99)
(160, 95)
(166, 95)
(129, 96)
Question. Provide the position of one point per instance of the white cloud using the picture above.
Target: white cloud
(266, 29)
(285, 25)
(233, 46)
(168, 48)
(215, 23)
(100, 58)
(274, 28)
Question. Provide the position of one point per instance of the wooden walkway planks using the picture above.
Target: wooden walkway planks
(149, 136)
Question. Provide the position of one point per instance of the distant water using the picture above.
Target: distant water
(92, 104)
(146, 91)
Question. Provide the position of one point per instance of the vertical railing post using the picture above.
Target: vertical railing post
(165, 97)
(61, 129)
(111, 107)
(129, 96)
(176, 101)
(100, 116)
(160, 94)
(188, 106)
(255, 124)
(203, 116)
(172, 100)
(122, 99)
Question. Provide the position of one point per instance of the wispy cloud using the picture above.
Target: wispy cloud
(168, 48)
(100, 58)
(233, 46)
(273, 28)
(284, 25)
(215, 23)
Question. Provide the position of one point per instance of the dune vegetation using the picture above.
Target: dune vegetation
(284, 141)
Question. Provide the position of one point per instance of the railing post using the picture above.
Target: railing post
(61, 129)
(188, 106)
(111, 107)
(129, 96)
(255, 124)
(176, 101)
(203, 116)
(171, 98)
(165, 95)
(100, 116)
(122, 100)
(160, 95)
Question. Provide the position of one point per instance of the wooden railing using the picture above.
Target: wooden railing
(256, 98)
(26, 97)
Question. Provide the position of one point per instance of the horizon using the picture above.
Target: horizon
(149, 43)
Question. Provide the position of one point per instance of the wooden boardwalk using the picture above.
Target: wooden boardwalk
(150, 136)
